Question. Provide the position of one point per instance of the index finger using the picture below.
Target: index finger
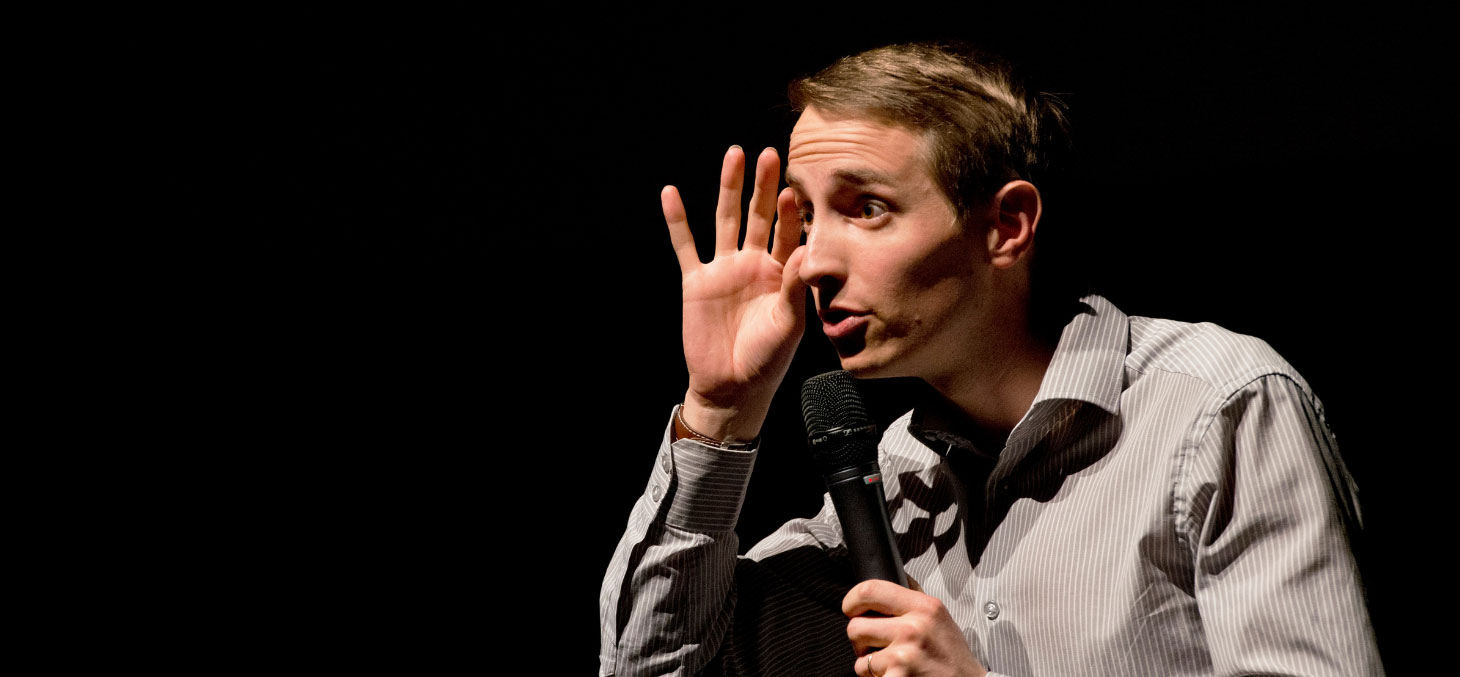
(884, 597)
(679, 233)
(788, 226)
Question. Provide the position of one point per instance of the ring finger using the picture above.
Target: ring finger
(864, 667)
(727, 211)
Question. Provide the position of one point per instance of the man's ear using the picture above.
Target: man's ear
(1016, 215)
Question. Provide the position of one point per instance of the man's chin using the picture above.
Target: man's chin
(881, 362)
(862, 361)
(862, 365)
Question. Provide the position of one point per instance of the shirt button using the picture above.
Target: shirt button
(664, 461)
(991, 610)
(656, 493)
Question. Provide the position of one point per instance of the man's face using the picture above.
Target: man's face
(898, 282)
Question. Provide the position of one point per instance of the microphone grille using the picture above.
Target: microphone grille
(831, 401)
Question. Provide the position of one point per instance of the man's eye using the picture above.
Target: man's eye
(806, 218)
(872, 210)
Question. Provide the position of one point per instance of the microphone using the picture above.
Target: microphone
(844, 445)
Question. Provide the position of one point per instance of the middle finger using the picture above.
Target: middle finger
(763, 200)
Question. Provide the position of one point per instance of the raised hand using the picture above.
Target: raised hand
(744, 311)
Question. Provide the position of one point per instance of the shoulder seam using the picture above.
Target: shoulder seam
(1201, 427)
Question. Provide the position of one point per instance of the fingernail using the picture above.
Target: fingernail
(736, 145)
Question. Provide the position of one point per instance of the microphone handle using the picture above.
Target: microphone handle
(861, 506)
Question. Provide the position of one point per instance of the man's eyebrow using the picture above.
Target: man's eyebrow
(862, 177)
(854, 177)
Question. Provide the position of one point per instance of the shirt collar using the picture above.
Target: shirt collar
(1088, 366)
(1089, 361)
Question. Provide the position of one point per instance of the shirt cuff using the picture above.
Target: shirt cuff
(708, 484)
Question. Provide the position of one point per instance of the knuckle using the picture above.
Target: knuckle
(854, 597)
(904, 630)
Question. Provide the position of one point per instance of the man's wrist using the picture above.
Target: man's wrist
(683, 431)
(716, 425)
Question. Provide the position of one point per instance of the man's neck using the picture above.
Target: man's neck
(999, 386)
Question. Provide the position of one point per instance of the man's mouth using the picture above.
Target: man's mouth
(839, 324)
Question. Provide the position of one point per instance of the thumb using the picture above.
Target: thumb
(793, 288)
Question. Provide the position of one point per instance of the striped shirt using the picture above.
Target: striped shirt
(1173, 503)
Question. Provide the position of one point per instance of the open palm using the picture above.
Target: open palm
(744, 311)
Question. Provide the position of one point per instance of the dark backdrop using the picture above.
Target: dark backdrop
(465, 307)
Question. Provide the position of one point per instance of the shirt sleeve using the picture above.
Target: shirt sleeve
(669, 599)
(1270, 512)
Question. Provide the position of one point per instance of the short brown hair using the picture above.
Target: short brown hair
(984, 127)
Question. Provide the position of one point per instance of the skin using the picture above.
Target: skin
(902, 287)
(885, 251)
(898, 631)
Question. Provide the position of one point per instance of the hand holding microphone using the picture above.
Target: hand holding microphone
(894, 630)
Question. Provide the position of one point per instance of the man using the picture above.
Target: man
(1125, 496)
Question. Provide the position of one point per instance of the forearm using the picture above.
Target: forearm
(667, 598)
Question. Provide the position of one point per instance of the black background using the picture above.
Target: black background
(463, 320)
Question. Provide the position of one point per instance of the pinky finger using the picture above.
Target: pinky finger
(679, 233)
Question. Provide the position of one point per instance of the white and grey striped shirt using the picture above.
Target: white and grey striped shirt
(1172, 504)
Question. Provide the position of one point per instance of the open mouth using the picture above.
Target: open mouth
(833, 317)
(843, 324)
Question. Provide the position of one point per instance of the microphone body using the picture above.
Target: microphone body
(843, 442)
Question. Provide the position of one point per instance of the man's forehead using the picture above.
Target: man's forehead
(816, 125)
(855, 150)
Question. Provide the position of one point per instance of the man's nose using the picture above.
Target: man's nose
(824, 266)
